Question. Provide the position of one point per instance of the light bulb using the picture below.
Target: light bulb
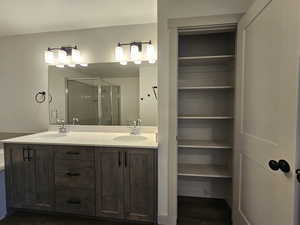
(84, 64)
(71, 65)
(119, 54)
(135, 53)
(62, 56)
(60, 66)
(49, 57)
(151, 54)
(76, 56)
(124, 63)
(137, 62)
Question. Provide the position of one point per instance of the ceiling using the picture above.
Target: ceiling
(35, 16)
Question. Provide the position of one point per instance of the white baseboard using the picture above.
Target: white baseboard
(167, 220)
(3, 214)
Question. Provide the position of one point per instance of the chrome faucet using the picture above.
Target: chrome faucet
(75, 121)
(135, 127)
(62, 129)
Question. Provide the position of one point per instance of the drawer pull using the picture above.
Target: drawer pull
(73, 174)
(74, 202)
(73, 153)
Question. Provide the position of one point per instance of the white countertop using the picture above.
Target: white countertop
(105, 139)
(1, 159)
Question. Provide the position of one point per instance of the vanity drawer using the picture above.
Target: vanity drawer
(75, 174)
(69, 152)
(75, 201)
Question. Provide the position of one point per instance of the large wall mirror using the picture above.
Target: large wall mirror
(103, 94)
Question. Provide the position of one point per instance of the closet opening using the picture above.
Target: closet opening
(206, 67)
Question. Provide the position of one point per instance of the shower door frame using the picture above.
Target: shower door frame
(67, 95)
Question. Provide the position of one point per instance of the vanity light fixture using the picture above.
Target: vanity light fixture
(49, 57)
(136, 50)
(151, 54)
(120, 56)
(69, 56)
(62, 57)
(136, 53)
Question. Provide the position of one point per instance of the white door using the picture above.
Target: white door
(267, 114)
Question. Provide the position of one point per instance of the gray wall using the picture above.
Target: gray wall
(23, 71)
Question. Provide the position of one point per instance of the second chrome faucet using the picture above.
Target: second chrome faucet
(135, 127)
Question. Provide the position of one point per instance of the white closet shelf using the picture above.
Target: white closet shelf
(204, 117)
(208, 171)
(205, 59)
(203, 144)
(204, 88)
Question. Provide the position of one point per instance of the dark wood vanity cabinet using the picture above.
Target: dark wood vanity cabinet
(29, 176)
(109, 183)
(74, 180)
(140, 184)
(126, 184)
(113, 183)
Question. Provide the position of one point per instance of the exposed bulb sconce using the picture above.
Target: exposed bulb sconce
(69, 56)
(136, 49)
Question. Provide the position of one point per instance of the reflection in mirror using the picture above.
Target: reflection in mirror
(103, 94)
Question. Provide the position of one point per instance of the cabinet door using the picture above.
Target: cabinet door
(29, 175)
(19, 177)
(44, 177)
(140, 185)
(109, 183)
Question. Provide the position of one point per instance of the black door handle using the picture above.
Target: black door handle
(298, 175)
(282, 165)
(274, 165)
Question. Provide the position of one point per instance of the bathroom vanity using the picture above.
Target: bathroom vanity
(105, 175)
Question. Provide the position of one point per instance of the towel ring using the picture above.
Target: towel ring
(50, 98)
(40, 97)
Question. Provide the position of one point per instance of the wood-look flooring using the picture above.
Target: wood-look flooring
(203, 211)
(191, 211)
(41, 219)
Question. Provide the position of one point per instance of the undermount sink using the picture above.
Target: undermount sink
(52, 135)
(130, 138)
